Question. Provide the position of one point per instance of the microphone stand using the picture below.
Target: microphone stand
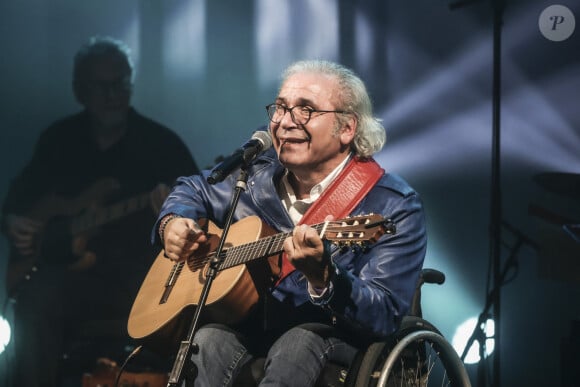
(494, 297)
(183, 367)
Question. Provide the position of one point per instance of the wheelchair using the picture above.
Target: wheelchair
(416, 355)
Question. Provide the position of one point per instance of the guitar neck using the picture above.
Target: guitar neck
(357, 230)
(108, 214)
(262, 248)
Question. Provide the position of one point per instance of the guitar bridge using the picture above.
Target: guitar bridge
(170, 283)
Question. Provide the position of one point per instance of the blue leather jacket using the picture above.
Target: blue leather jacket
(373, 288)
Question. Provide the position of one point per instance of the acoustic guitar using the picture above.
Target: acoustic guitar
(169, 288)
(67, 225)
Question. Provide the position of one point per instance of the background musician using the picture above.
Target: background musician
(108, 168)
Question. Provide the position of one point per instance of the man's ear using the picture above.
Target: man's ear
(348, 131)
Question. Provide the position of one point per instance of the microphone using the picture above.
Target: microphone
(259, 142)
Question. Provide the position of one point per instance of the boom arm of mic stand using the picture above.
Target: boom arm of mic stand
(183, 367)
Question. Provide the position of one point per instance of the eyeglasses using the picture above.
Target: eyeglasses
(300, 114)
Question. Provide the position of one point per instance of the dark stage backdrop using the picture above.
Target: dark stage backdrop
(208, 68)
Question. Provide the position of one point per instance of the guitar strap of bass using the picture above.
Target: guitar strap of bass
(341, 197)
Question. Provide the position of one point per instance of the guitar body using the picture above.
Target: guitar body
(232, 293)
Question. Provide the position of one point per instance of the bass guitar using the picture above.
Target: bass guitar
(170, 288)
(67, 225)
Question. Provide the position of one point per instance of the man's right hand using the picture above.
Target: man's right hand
(23, 233)
(181, 237)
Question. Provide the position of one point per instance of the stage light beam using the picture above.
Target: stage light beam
(5, 333)
(463, 334)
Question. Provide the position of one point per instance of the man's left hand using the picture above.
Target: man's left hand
(305, 251)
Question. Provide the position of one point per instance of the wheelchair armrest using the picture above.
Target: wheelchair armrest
(431, 276)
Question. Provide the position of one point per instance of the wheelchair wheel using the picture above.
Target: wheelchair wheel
(417, 355)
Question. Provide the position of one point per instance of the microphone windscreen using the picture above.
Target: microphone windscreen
(264, 137)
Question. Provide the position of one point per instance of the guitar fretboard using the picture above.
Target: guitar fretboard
(262, 248)
(108, 214)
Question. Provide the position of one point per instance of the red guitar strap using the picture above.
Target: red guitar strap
(340, 197)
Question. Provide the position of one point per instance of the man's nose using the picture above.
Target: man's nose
(287, 119)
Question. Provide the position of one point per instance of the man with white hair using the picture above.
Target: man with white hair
(322, 302)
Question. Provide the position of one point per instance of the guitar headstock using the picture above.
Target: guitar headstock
(360, 229)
